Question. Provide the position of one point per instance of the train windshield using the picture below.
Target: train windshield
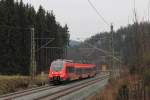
(57, 65)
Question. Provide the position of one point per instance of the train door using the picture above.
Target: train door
(70, 72)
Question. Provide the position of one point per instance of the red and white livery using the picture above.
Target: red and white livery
(67, 70)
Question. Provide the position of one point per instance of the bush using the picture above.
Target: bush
(123, 92)
(147, 76)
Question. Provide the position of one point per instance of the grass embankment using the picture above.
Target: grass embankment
(121, 89)
(129, 87)
(109, 92)
(13, 83)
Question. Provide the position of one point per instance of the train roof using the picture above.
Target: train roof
(78, 65)
(64, 60)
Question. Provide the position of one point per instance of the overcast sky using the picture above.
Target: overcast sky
(82, 20)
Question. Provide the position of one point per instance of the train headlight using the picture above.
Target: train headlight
(62, 75)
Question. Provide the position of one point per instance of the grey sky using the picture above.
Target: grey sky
(84, 22)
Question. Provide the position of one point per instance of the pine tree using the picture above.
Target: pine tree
(16, 19)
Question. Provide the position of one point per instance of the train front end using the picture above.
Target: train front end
(57, 71)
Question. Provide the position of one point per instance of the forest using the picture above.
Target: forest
(131, 45)
(16, 21)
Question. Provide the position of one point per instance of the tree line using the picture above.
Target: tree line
(131, 44)
(16, 21)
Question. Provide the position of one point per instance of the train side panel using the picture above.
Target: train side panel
(67, 71)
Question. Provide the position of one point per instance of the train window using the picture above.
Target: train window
(83, 71)
(89, 70)
(70, 69)
(78, 71)
(57, 65)
(86, 70)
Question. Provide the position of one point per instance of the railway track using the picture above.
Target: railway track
(51, 92)
(66, 91)
(25, 92)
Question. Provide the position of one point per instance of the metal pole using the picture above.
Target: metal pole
(33, 61)
(112, 47)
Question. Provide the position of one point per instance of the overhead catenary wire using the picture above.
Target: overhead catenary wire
(106, 52)
(45, 44)
(94, 8)
(148, 9)
(134, 12)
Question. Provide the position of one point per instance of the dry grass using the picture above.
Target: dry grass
(110, 91)
(13, 83)
(41, 80)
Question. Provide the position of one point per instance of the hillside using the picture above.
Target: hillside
(73, 43)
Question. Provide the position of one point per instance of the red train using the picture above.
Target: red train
(66, 70)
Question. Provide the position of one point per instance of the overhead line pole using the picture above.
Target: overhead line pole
(112, 47)
(33, 61)
(33, 65)
(112, 40)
